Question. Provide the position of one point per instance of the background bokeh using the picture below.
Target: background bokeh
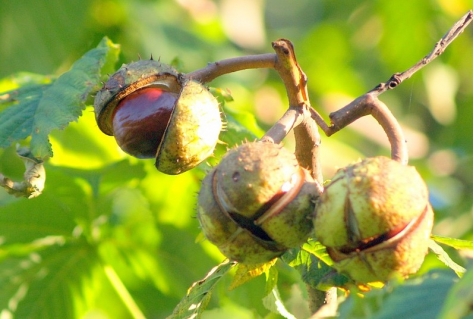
(141, 223)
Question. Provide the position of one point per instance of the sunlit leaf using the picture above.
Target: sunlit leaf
(50, 214)
(415, 298)
(134, 240)
(108, 177)
(313, 270)
(199, 294)
(42, 107)
(315, 248)
(17, 82)
(65, 99)
(444, 257)
(35, 246)
(222, 95)
(235, 133)
(246, 120)
(273, 302)
(271, 279)
(238, 126)
(453, 242)
(245, 272)
(41, 284)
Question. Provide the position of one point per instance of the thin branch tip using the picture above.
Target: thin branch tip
(438, 49)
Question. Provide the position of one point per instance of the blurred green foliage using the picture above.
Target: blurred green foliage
(109, 228)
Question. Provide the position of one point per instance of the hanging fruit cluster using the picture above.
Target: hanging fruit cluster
(374, 216)
(375, 219)
(257, 203)
(153, 112)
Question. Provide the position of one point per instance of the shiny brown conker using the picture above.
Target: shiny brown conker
(140, 120)
(153, 111)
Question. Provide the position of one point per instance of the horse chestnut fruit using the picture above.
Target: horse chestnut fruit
(257, 203)
(152, 112)
(375, 220)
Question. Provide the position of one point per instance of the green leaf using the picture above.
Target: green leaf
(45, 233)
(453, 242)
(222, 95)
(245, 272)
(458, 302)
(65, 99)
(16, 122)
(198, 296)
(273, 302)
(313, 270)
(313, 263)
(51, 214)
(24, 249)
(235, 133)
(415, 298)
(444, 257)
(43, 106)
(107, 178)
(315, 248)
(44, 284)
(237, 124)
(271, 279)
(18, 81)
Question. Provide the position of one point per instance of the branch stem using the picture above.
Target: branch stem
(298, 115)
(216, 69)
(369, 104)
(292, 117)
(438, 49)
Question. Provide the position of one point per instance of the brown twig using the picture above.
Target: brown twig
(298, 115)
(438, 49)
(292, 117)
(33, 179)
(369, 104)
(291, 73)
(216, 69)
